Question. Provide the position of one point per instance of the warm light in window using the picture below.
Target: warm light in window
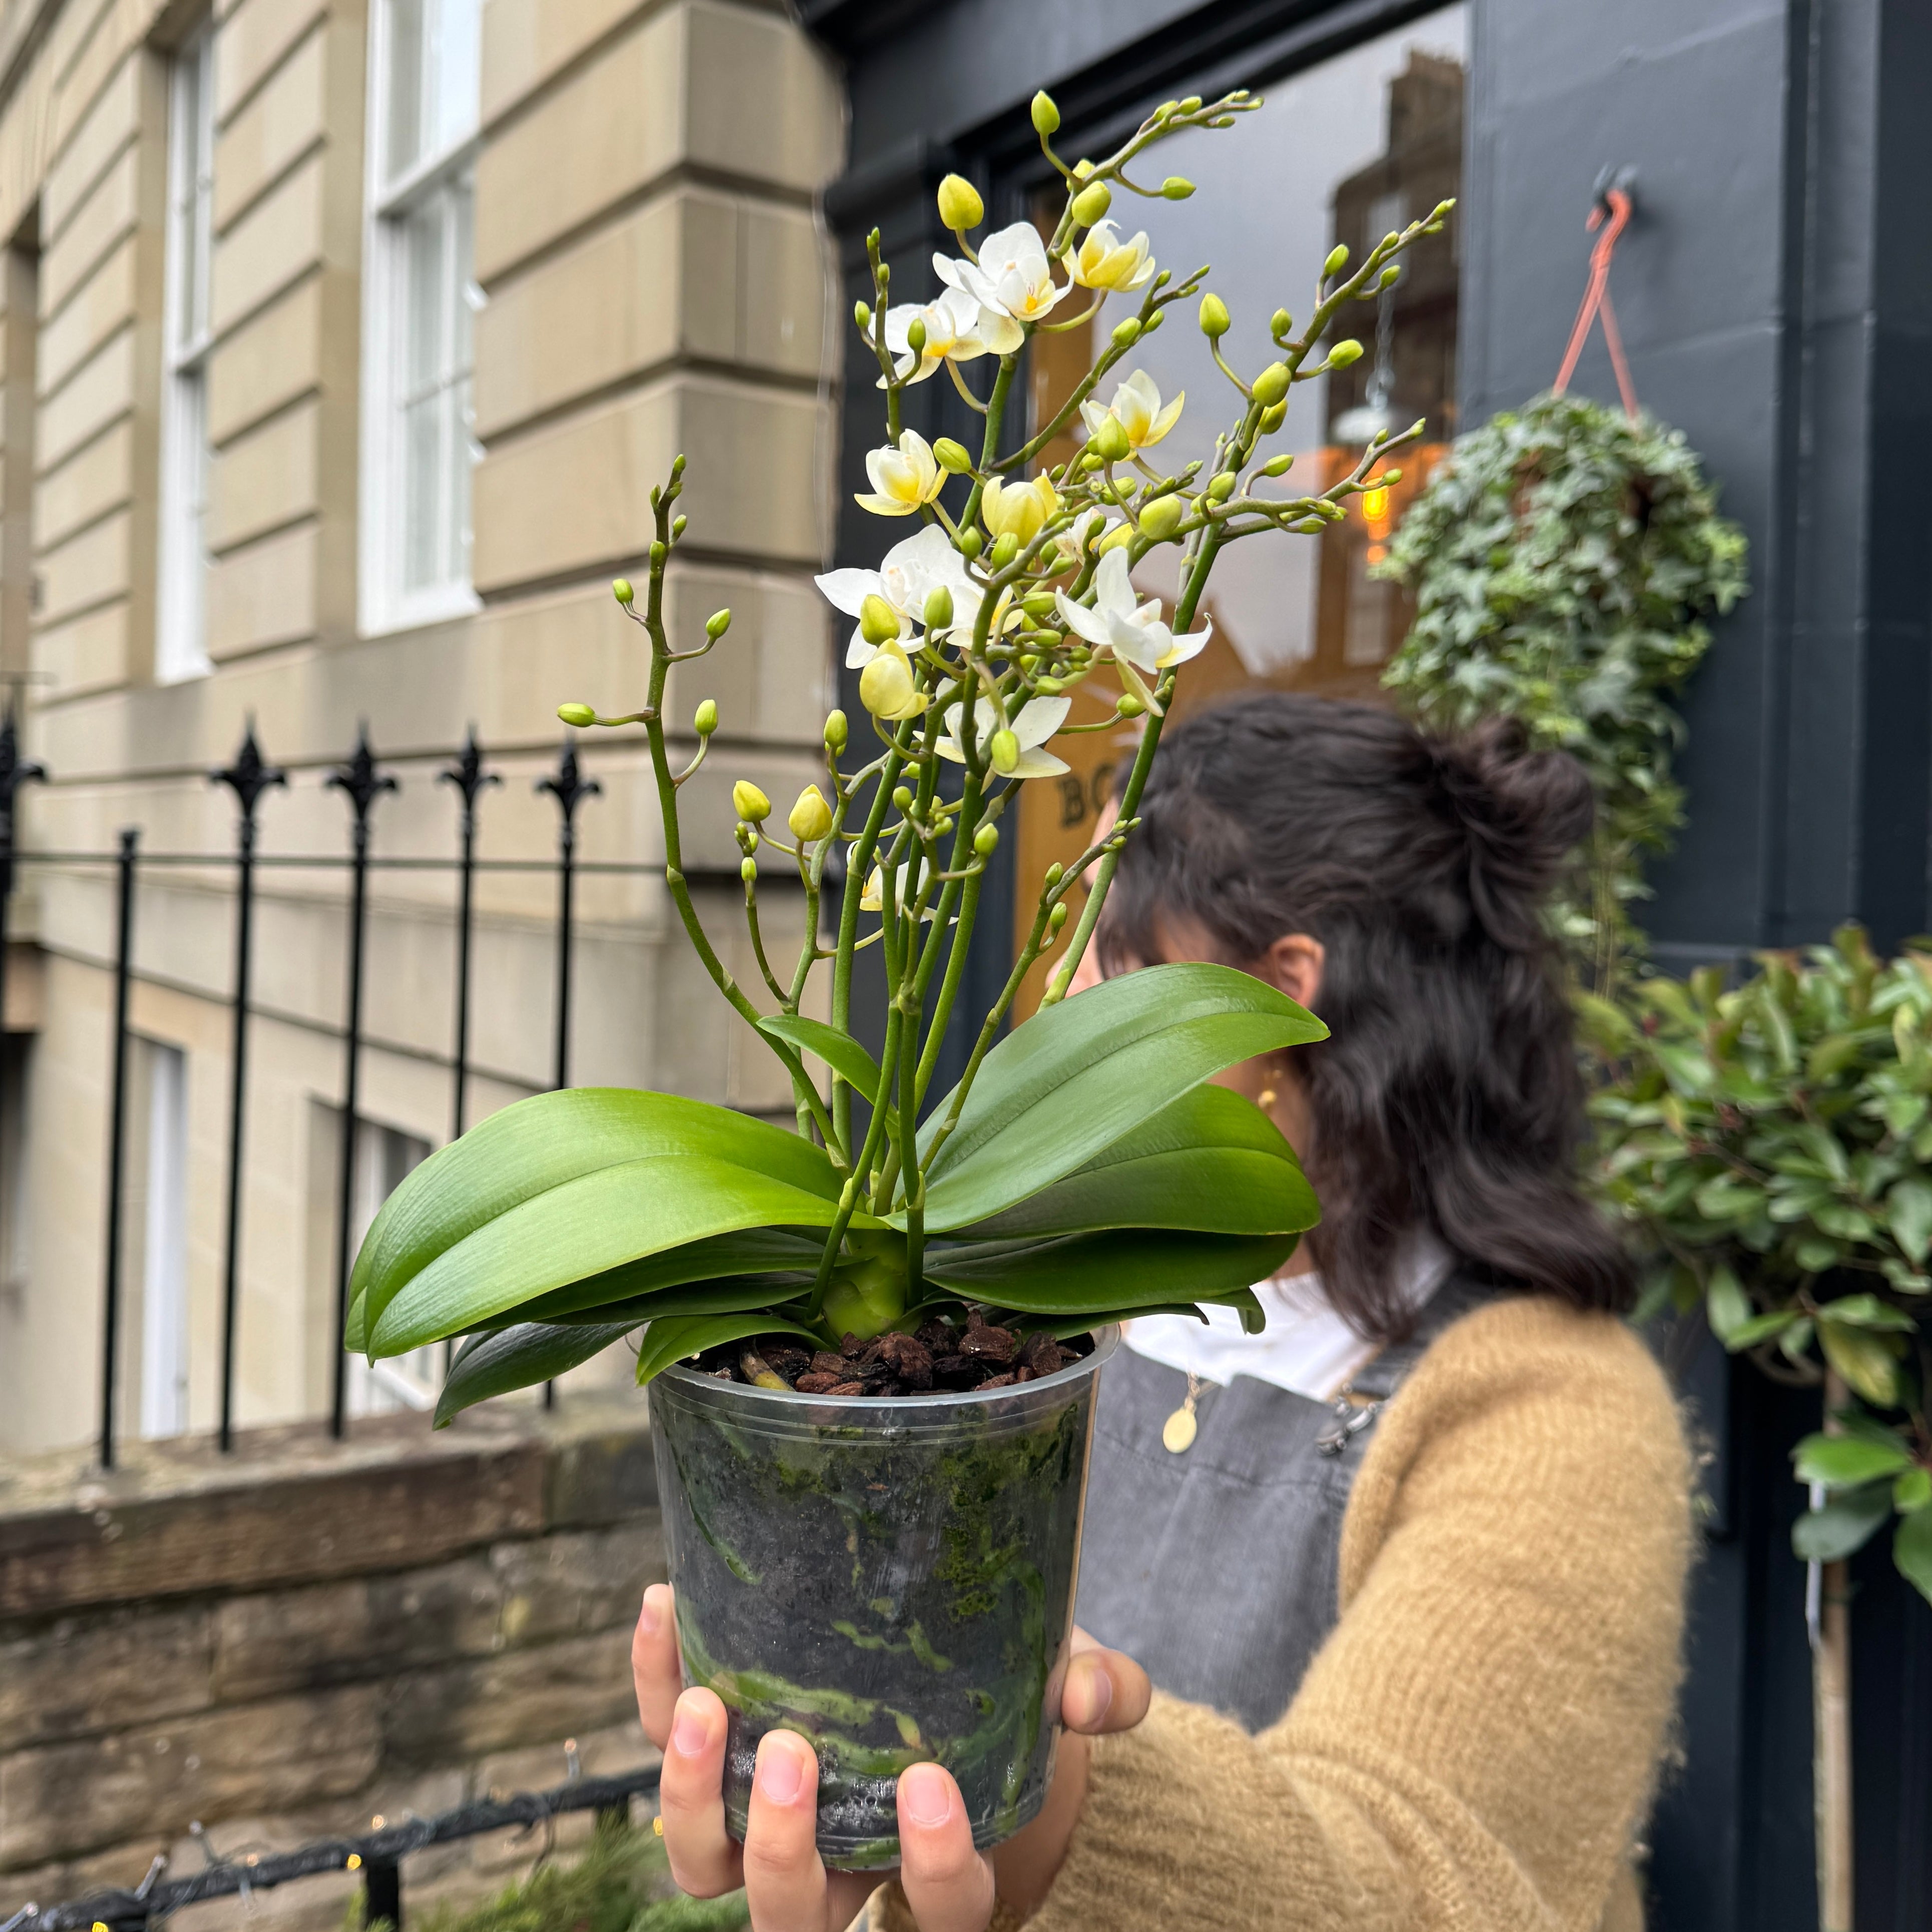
(1376, 552)
(1376, 503)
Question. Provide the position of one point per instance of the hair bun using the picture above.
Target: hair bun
(1524, 813)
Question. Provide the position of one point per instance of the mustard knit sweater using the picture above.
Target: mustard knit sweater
(1475, 1747)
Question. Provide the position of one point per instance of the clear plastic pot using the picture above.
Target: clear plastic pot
(891, 1578)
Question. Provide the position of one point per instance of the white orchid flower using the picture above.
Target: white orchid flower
(1034, 723)
(1136, 407)
(957, 329)
(904, 477)
(1012, 276)
(1131, 632)
(1104, 262)
(908, 575)
(1018, 509)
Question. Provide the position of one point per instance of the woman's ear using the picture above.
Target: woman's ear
(1293, 963)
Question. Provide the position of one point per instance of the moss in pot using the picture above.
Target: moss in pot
(875, 1539)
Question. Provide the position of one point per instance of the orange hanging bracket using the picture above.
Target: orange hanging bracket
(1610, 211)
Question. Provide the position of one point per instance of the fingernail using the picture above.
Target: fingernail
(689, 1732)
(652, 1616)
(1099, 1695)
(780, 1774)
(926, 1793)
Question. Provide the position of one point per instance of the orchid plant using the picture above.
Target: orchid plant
(1082, 1168)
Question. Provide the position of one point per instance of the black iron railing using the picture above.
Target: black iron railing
(377, 1854)
(363, 782)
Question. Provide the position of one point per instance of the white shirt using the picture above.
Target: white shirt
(1307, 1347)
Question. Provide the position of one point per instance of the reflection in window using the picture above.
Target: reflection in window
(421, 298)
(1362, 144)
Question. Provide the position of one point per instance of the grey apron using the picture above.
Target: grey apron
(1217, 1569)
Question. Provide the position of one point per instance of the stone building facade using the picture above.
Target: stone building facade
(342, 343)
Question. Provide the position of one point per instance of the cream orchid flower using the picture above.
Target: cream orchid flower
(1136, 408)
(957, 329)
(1012, 276)
(1132, 632)
(888, 687)
(1104, 262)
(1034, 723)
(909, 573)
(903, 478)
(1018, 509)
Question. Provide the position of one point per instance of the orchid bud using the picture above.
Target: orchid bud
(916, 335)
(749, 802)
(1048, 687)
(986, 840)
(1162, 517)
(1092, 203)
(748, 870)
(1177, 188)
(1345, 352)
(1054, 873)
(887, 686)
(1110, 442)
(717, 624)
(1222, 487)
(658, 552)
(1056, 919)
(1040, 604)
(1271, 384)
(861, 313)
(952, 456)
(579, 715)
(1128, 705)
(1004, 751)
(1273, 417)
(1192, 105)
(1391, 274)
(969, 542)
(1046, 115)
(1214, 318)
(1277, 466)
(1127, 333)
(960, 206)
(1005, 547)
(811, 817)
(677, 527)
(706, 722)
(1390, 476)
(902, 797)
(620, 589)
(835, 731)
(1338, 260)
(1280, 323)
(878, 622)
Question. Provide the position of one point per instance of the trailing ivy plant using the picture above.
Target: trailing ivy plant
(1770, 1146)
(1563, 562)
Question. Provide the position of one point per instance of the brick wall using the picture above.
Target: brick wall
(285, 1643)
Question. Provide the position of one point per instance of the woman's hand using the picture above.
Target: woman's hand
(949, 1886)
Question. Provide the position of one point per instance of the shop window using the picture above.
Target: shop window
(181, 645)
(420, 301)
(1347, 151)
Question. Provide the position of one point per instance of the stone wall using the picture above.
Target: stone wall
(290, 1642)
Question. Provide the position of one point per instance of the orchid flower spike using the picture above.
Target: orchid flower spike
(905, 477)
(906, 577)
(1104, 262)
(1012, 276)
(1136, 407)
(957, 329)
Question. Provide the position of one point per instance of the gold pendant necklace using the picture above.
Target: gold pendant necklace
(1178, 1432)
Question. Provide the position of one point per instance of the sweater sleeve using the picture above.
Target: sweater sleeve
(1474, 1748)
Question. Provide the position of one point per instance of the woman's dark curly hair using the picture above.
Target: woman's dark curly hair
(1448, 1096)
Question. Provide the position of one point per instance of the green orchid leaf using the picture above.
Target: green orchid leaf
(570, 1185)
(673, 1341)
(839, 1051)
(1911, 1551)
(1063, 1328)
(1079, 1075)
(766, 1252)
(1845, 1523)
(1125, 1269)
(1210, 1160)
(728, 1296)
(1845, 1462)
(518, 1357)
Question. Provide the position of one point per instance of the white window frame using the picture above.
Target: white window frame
(383, 1156)
(385, 604)
(164, 1285)
(181, 627)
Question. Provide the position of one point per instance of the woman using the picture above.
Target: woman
(1407, 1569)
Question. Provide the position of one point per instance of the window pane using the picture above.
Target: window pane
(404, 135)
(458, 81)
(426, 298)
(423, 445)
